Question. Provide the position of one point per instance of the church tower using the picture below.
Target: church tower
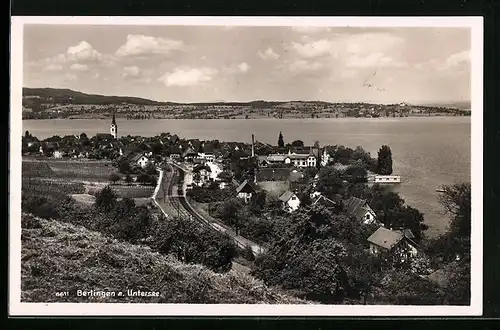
(113, 129)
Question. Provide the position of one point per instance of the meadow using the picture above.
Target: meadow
(64, 256)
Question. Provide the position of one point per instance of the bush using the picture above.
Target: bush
(114, 178)
(194, 244)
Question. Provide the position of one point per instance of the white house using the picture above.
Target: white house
(202, 173)
(140, 159)
(300, 160)
(57, 154)
(360, 209)
(215, 170)
(290, 201)
(325, 158)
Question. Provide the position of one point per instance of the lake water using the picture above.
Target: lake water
(427, 151)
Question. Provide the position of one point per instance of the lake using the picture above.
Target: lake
(427, 151)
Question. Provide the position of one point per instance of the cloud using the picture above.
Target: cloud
(243, 67)
(83, 52)
(141, 45)
(458, 59)
(268, 54)
(183, 77)
(131, 71)
(299, 66)
(373, 60)
(311, 29)
(455, 63)
(79, 67)
(237, 68)
(343, 45)
(53, 67)
(313, 48)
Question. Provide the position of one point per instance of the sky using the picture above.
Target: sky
(244, 63)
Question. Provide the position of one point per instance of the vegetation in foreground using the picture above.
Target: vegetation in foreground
(58, 256)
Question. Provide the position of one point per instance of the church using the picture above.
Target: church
(113, 128)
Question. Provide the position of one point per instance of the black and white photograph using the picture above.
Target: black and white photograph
(246, 166)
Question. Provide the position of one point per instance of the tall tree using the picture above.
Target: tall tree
(281, 142)
(457, 201)
(384, 162)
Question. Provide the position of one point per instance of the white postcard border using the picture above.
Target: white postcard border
(17, 308)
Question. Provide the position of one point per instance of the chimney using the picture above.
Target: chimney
(253, 147)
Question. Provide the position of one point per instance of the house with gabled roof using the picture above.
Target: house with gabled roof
(359, 209)
(189, 154)
(290, 201)
(399, 243)
(202, 173)
(175, 152)
(335, 202)
(245, 191)
(140, 159)
(206, 152)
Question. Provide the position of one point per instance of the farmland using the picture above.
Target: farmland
(54, 178)
(87, 170)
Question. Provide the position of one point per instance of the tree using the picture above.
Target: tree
(225, 176)
(456, 200)
(27, 135)
(144, 178)
(281, 142)
(316, 144)
(128, 179)
(355, 173)
(105, 199)
(228, 211)
(258, 202)
(297, 144)
(114, 178)
(384, 162)
(83, 136)
(124, 166)
(329, 181)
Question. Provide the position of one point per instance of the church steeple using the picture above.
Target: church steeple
(113, 129)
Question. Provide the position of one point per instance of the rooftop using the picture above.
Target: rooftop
(385, 238)
(285, 197)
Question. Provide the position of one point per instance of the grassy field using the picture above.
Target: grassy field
(61, 257)
(50, 189)
(133, 191)
(87, 170)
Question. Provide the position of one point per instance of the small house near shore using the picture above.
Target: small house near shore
(399, 243)
(360, 209)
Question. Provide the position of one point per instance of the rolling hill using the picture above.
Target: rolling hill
(68, 96)
(57, 256)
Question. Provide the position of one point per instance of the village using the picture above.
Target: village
(288, 173)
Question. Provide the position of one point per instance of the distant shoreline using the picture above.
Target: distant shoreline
(239, 117)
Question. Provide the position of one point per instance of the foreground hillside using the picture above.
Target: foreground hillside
(60, 257)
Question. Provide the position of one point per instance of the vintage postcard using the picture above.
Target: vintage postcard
(257, 166)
